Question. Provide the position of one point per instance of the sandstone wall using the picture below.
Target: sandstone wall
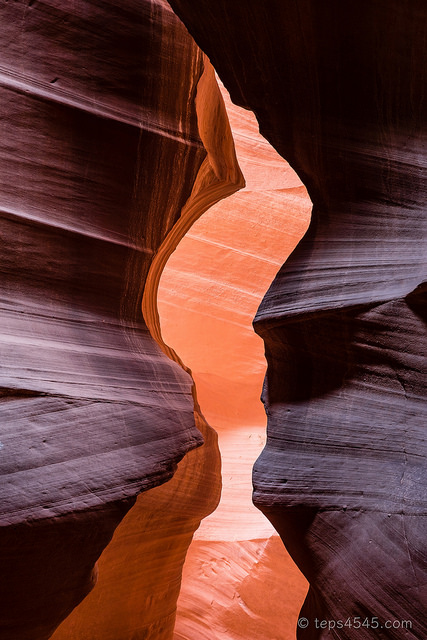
(339, 90)
(101, 149)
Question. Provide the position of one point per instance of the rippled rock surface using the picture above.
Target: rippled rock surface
(338, 88)
(100, 152)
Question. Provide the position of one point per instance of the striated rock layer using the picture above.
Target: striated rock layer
(140, 571)
(100, 153)
(209, 292)
(338, 88)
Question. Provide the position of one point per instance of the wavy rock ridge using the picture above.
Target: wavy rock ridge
(140, 571)
(338, 88)
(98, 104)
(208, 295)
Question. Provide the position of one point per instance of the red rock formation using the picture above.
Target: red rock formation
(239, 590)
(338, 88)
(89, 135)
(140, 571)
(98, 103)
(209, 292)
(215, 280)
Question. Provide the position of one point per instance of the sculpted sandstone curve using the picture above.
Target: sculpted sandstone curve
(209, 291)
(338, 89)
(140, 571)
(100, 153)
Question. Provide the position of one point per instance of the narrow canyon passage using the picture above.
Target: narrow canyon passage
(115, 144)
(208, 295)
(219, 274)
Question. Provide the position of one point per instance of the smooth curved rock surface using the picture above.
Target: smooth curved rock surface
(338, 88)
(98, 104)
(140, 571)
(209, 291)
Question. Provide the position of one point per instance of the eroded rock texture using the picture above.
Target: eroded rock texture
(209, 292)
(140, 571)
(338, 88)
(100, 153)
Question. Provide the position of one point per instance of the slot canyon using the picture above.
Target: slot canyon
(205, 203)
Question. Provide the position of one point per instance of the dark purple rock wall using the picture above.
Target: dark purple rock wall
(99, 149)
(339, 88)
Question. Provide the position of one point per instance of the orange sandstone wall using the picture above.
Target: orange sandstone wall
(209, 292)
(339, 90)
(98, 103)
(139, 573)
